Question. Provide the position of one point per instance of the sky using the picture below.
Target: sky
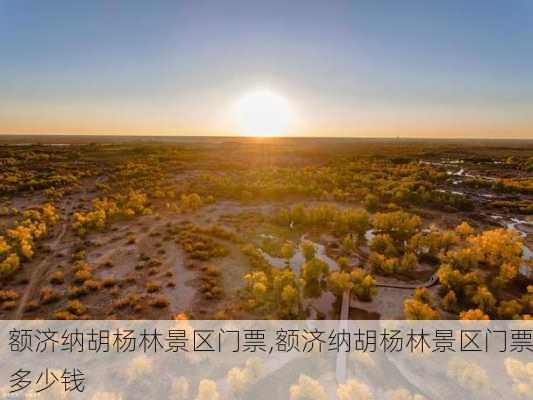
(412, 68)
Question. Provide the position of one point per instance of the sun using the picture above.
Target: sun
(263, 113)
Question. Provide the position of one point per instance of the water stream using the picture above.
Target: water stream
(298, 258)
(527, 254)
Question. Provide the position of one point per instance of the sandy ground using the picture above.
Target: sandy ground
(112, 254)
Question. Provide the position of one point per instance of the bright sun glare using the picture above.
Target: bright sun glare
(263, 113)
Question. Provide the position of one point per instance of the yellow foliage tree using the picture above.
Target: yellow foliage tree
(402, 394)
(522, 375)
(468, 375)
(416, 309)
(354, 390)
(398, 224)
(498, 246)
(9, 265)
(464, 229)
(474, 314)
(4, 246)
(207, 390)
(179, 389)
(242, 378)
(307, 389)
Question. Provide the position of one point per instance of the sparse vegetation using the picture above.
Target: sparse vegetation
(172, 220)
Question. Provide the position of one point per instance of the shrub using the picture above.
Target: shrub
(9, 265)
(160, 302)
(63, 315)
(364, 285)
(92, 285)
(82, 275)
(76, 307)
(8, 295)
(371, 202)
(9, 305)
(57, 278)
(383, 244)
(31, 306)
(75, 292)
(49, 295)
(109, 282)
(475, 314)
(152, 287)
(510, 309)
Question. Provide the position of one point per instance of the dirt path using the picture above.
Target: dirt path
(42, 268)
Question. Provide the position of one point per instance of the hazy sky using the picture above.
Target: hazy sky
(348, 68)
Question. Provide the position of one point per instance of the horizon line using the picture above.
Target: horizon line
(143, 135)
